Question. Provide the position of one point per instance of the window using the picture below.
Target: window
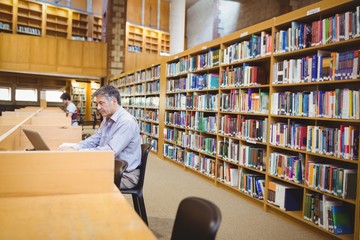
(5, 94)
(26, 95)
(53, 96)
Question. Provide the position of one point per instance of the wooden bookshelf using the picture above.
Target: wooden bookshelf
(134, 38)
(263, 122)
(57, 22)
(147, 40)
(96, 28)
(80, 25)
(139, 92)
(29, 18)
(165, 44)
(6, 16)
(43, 19)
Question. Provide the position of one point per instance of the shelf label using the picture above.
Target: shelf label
(313, 11)
(204, 47)
(244, 34)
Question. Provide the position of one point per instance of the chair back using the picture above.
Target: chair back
(145, 149)
(120, 167)
(196, 218)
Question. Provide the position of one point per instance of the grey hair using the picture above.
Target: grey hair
(109, 92)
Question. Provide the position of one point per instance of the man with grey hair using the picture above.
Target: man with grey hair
(118, 132)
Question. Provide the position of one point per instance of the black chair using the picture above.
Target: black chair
(120, 167)
(137, 191)
(196, 218)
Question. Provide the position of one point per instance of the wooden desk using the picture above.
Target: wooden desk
(74, 216)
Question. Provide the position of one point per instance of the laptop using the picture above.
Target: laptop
(36, 140)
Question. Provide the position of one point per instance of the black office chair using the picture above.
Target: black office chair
(196, 218)
(120, 167)
(137, 191)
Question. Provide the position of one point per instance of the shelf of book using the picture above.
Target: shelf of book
(96, 28)
(44, 19)
(29, 18)
(80, 25)
(6, 16)
(139, 92)
(272, 112)
(57, 22)
(140, 39)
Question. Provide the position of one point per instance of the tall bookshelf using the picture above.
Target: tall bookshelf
(6, 16)
(57, 22)
(79, 99)
(29, 18)
(139, 92)
(250, 112)
(43, 19)
(96, 28)
(80, 25)
(140, 39)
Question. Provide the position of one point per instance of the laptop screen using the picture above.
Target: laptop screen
(36, 140)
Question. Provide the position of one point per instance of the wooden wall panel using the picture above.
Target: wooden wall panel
(79, 4)
(52, 55)
(14, 51)
(97, 7)
(151, 9)
(164, 15)
(133, 12)
(43, 54)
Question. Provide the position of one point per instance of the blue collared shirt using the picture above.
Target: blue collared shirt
(121, 134)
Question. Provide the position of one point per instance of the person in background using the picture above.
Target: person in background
(118, 132)
(71, 109)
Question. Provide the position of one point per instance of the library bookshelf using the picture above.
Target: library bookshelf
(43, 19)
(271, 112)
(139, 92)
(141, 39)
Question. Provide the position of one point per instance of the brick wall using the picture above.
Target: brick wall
(116, 37)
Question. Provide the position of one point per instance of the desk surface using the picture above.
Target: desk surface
(74, 216)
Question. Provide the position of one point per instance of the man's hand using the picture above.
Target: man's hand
(67, 148)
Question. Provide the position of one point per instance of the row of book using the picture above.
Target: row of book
(5, 26)
(202, 81)
(151, 87)
(138, 77)
(252, 184)
(144, 115)
(256, 46)
(202, 164)
(29, 30)
(323, 66)
(152, 141)
(175, 136)
(191, 140)
(339, 27)
(174, 152)
(179, 67)
(134, 48)
(244, 75)
(204, 102)
(176, 85)
(285, 196)
(244, 155)
(286, 166)
(341, 142)
(245, 100)
(340, 103)
(150, 129)
(204, 60)
(332, 179)
(253, 130)
(198, 121)
(330, 214)
(152, 102)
